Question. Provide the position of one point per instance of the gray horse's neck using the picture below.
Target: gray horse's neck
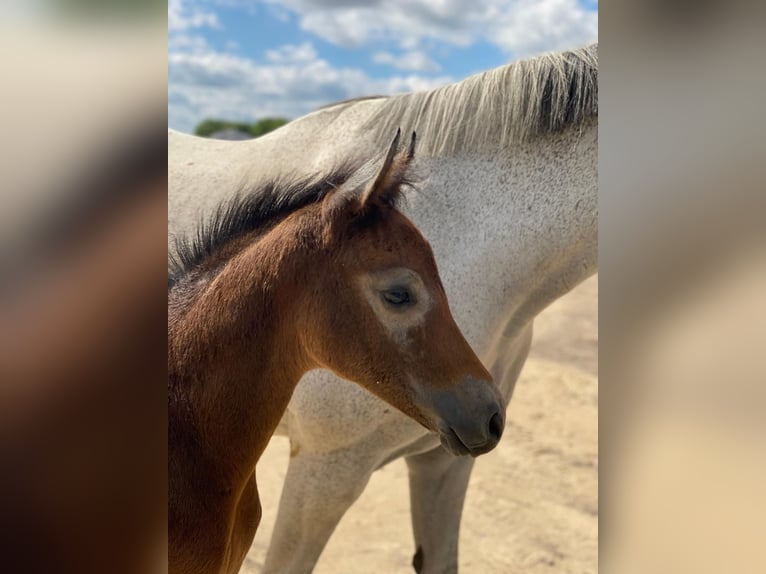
(555, 217)
(532, 234)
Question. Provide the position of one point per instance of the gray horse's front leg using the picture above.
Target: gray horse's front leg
(438, 483)
(318, 490)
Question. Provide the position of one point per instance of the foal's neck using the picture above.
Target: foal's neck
(235, 354)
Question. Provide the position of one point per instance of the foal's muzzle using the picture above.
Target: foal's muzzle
(470, 416)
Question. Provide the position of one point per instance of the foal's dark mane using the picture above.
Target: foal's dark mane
(245, 213)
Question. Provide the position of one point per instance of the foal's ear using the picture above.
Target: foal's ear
(387, 186)
(381, 187)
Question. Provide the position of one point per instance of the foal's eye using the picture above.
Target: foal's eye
(397, 297)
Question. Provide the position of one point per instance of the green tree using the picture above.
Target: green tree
(264, 126)
(210, 126)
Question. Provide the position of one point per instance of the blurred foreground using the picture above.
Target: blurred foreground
(682, 199)
(82, 311)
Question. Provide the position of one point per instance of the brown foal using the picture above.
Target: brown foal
(327, 275)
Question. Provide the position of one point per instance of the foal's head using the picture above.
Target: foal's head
(379, 314)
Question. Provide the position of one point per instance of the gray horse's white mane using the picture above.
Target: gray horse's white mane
(509, 104)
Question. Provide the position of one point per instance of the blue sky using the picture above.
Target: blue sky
(250, 59)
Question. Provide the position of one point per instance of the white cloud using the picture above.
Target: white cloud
(292, 54)
(518, 27)
(186, 15)
(535, 26)
(354, 24)
(415, 60)
(190, 43)
(291, 82)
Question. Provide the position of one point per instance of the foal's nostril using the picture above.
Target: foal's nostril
(496, 426)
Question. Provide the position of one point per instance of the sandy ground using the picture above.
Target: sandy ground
(532, 503)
